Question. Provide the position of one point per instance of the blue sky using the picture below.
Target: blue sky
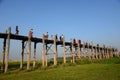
(88, 20)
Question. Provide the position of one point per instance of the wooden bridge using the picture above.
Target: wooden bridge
(77, 50)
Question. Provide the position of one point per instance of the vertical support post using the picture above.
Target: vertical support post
(3, 55)
(79, 45)
(73, 53)
(29, 50)
(71, 56)
(22, 55)
(43, 51)
(64, 51)
(93, 55)
(46, 57)
(96, 52)
(34, 62)
(7, 49)
(84, 50)
(89, 51)
(100, 57)
(55, 51)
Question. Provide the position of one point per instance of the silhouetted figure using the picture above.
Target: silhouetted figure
(74, 41)
(17, 31)
(31, 33)
(46, 35)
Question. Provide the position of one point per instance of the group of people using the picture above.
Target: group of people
(46, 36)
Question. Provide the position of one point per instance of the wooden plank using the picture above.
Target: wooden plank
(43, 51)
(55, 51)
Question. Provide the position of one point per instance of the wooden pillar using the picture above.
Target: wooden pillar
(96, 52)
(34, 61)
(99, 51)
(64, 51)
(22, 55)
(29, 50)
(7, 49)
(55, 51)
(46, 57)
(84, 50)
(43, 51)
(73, 54)
(93, 55)
(79, 45)
(3, 55)
(89, 55)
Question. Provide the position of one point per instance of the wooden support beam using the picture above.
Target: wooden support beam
(93, 51)
(73, 53)
(43, 51)
(22, 55)
(55, 51)
(84, 50)
(46, 56)
(89, 55)
(29, 50)
(3, 55)
(64, 50)
(34, 61)
(7, 49)
(79, 49)
(96, 52)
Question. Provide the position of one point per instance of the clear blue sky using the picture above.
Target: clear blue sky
(88, 20)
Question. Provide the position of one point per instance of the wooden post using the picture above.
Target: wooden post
(7, 49)
(43, 51)
(73, 53)
(22, 55)
(55, 51)
(79, 45)
(3, 55)
(46, 57)
(34, 62)
(96, 52)
(64, 51)
(84, 50)
(93, 55)
(89, 55)
(29, 50)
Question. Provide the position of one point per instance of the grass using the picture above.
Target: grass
(84, 69)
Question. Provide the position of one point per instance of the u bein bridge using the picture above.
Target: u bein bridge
(76, 49)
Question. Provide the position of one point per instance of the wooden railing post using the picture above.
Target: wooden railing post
(64, 51)
(43, 51)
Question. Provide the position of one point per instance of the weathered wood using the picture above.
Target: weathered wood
(64, 50)
(93, 51)
(79, 50)
(3, 55)
(7, 50)
(29, 50)
(84, 50)
(73, 53)
(22, 55)
(55, 51)
(89, 55)
(43, 51)
(34, 61)
(96, 52)
(46, 56)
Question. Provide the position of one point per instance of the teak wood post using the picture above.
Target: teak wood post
(79, 45)
(96, 52)
(43, 51)
(46, 56)
(55, 51)
(29, 50)
(73, 54)
(22, 55)
(88, 45)
(64, 51)
(34, 61)
(7, 49)
(93, 55)
(84, 50)
(3, 55)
